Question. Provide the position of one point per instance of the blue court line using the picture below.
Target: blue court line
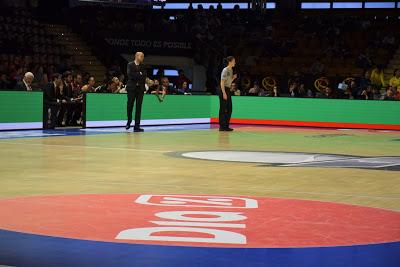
(95, 131)
(21, 249)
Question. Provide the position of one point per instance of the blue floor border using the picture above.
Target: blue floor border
(21, 249)
(95, 131)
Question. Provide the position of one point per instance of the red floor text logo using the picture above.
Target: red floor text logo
(219, 225)
(195, 220)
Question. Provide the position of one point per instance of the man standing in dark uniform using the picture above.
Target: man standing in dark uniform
(135, 88)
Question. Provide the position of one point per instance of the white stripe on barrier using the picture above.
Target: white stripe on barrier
(21, 125)
(147, 122)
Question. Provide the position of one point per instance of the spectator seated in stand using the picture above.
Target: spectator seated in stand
(52, 101)
(365, 80)
(255, 90)
(349, 91)
(77, 95)
(369, 92)
(297, 77)
(294, 90)
(26, 83)
(65, 95)
(234, 89)
(181, 79)
(119, 85)
(297, 89)
(77, 86)
(106, 88)
(112, 86)
(163, 89)
(377, 77)
(5, 83)
(395, 81)
(327, 93)
(184, 89)
(68, 80)
(89, 87)
(389, 96)
(152, 86)
(263, 92)
(275, 92)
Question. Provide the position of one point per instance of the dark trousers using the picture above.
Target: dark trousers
(63, 111)
(51, 113)
(75, 112)
(225, 109)
(134, 95)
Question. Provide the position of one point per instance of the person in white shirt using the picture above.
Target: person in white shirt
(225, 96)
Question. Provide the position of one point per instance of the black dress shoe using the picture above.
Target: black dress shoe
(136, 130)
(225, 129)
(128, 126)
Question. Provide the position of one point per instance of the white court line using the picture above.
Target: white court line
(382, 165)
(91, 147)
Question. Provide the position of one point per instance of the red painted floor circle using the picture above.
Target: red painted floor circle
(210, 221)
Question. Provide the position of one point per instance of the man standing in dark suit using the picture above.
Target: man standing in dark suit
(135, 88)
(26, 83)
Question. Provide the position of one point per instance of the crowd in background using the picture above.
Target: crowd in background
(370, 86)
(25, 45)
(262, 42)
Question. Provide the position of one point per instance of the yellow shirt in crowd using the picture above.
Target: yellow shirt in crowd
(395, 82)
(377, 78)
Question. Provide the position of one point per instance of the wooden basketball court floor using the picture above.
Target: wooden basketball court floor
(347, 169)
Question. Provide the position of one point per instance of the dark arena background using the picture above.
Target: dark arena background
(210, 133)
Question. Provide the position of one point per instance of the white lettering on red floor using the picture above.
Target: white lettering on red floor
(211, 226)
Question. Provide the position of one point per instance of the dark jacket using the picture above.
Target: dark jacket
(136, 77)
(67, 91)
(20, 86)
(50, 93)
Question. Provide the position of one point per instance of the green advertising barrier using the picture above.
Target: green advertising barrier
(21, 110)
(110, 110)
(336, 113)
(24, 110)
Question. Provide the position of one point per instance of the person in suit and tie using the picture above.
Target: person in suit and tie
(52, 101)
(135, 88)
(26, 83)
